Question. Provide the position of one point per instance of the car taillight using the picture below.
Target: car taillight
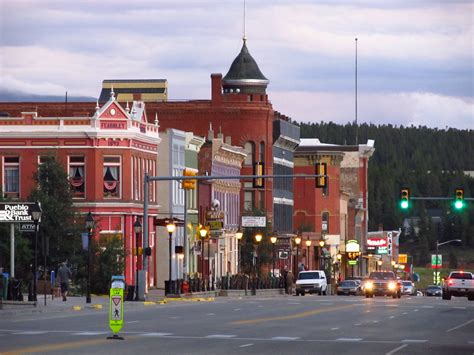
(450, 282)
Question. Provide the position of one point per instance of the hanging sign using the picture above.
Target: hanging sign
(352, 246)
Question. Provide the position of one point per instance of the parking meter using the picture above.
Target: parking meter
(117, 290)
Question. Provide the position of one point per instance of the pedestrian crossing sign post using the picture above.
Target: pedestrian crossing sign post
(116, 306)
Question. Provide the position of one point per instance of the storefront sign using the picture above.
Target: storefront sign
(352, 246)
(16, 212)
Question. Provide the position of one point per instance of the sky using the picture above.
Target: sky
(415, 58)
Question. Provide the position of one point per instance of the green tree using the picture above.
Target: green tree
(58, 228)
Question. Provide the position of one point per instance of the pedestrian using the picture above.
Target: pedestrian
(289, 282)
(64, 275)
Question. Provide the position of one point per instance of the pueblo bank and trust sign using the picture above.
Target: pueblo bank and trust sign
(17, 212)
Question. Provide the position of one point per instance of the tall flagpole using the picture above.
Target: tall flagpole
(357, 126)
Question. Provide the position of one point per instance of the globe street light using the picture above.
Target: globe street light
(170, 227)
(258, 239)
(36, 215)
(239, 234)
(308, 244)
(89, 227)
(297, 242)
(273, 240)
(379, 263)
(321, 245)
(137, 228)
(203, 235)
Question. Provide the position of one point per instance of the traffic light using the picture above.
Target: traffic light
(459, 199)
(189, 184)
(258, 168)
(321, 170)
(404, 198)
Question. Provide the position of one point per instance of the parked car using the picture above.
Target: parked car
(311, 281)
(434, 290)
(349, 287)
(408, 288)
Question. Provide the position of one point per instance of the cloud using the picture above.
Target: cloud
(408, 108)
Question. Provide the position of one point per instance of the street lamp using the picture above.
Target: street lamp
(297, 242)
(273, 240)
(170, 227)
(89, 227)
(239, 234)
(202, 234)
(36, 215)
(438, 244)
(137, 228)
(308, 244)
(258, 239)
(379, 263)
(321, 245)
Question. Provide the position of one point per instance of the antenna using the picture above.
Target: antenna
(244, 38)
(357, 127)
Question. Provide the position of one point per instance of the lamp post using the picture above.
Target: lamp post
(339, 258)
(239, 234)
(170, 227)
(297, 242)
(258, 239)
(273, 239)
(308, 244)
(379, 264)
(137, 228)
(89, 226)
(202, 234)
(321, 245)
(438, 244)
(393, 262)
(36, 215)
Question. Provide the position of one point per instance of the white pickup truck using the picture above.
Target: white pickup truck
(459, 284)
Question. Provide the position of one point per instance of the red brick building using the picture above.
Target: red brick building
(105, 153)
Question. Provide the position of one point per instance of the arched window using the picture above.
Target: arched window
(262, 152)
(250, 150)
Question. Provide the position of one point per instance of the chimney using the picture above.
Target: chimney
(228, 140)
(210, 133)
(220, 135)
(216, 89)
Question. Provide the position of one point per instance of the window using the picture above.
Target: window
(11, 176)
(77, 176)
(248, 200)
(262, 152)
(250, 150)
(111, 177)
(325, 222)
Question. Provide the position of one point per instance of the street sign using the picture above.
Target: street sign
(254, 221)
(215, 215)
(402, 258)
(436, 263)
(16, 212)
(27, 227)
(116, 305)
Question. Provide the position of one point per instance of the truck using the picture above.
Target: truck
(459, 284)
(382, 283)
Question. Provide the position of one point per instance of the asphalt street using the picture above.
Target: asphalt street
(277, 325)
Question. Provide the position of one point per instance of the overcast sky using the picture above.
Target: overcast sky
(415, 57)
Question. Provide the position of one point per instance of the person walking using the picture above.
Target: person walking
(64, 275)
(289, 282)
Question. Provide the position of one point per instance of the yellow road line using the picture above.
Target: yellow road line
(291, 316)
(54, 347)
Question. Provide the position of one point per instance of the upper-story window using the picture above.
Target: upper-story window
(11, 176)
(77, 176)
(250, 150)
(262, 152)
(112, 174)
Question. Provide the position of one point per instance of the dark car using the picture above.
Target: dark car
(348, 287)
(434, 291)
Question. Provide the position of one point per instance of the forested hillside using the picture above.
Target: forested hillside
(431, 162)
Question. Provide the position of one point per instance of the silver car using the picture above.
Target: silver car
(408, 288)
(349, 287)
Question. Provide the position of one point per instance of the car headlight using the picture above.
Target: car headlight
(369, 286)
(392, 286)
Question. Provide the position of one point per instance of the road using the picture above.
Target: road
(278, 325)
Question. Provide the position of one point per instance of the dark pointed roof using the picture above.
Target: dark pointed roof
(244, 70)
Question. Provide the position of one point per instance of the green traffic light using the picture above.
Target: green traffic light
(404, 204)
(458, 205)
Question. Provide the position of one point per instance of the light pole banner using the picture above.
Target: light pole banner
(436, 262)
